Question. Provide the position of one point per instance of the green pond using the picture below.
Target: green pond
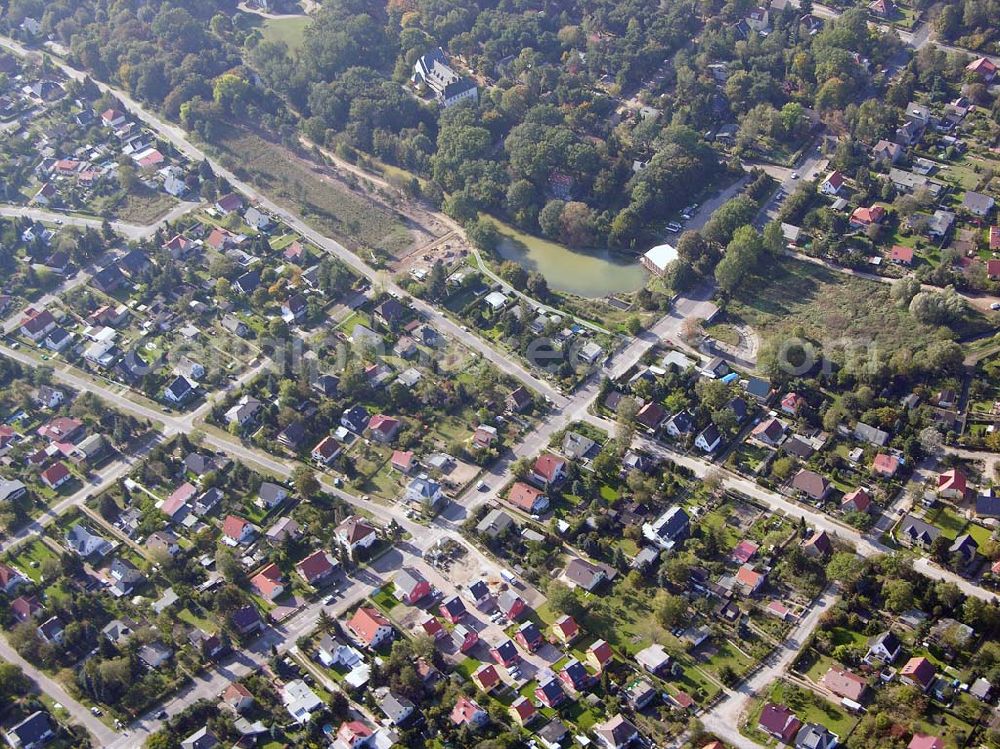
(587, 273)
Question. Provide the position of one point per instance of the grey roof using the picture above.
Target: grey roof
(871, 434)
(32, 730)
(917, 530)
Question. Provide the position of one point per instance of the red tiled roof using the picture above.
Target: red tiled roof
(547, 465)
(315, 565)
(523, 495)
(366, 622)
(233, 527)
(55, 473)
(901, 254)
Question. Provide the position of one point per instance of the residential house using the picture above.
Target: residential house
(55, 475)
(31, 733)
(599, 655)
(680, 425)
(424, 491)
(918, 672)
(244, 413)
(983, 67)
(467, 713)
(384, 428)
(709, 439)
(300, 701)
(952, 484)
(750, 580)
(269, 582)
(410, 586)
(915, 532)
(780, 722)
(356, 533)
(549, 470)
(616, 733)
(528, 636)
(867, 216)
(237, 697)
(494, 523)
(270, 495)
(669, 529)
(370, 627)
(818, 545)
(203, 738)
(317, 567)
(246, 620)
(858, 500)
(486, 677)
(395, 707)
(885, 465)
(522, 710)
(519, 400)
(887, 152)
(549, 693)
(85, 543)
(978, 204)
(769, 432)
(236, 530)
(566, 629)
(813, 735)
(883, 648)
(527, 498)
(580, 573)
(432, 71)
(844, 683)
(832, 183)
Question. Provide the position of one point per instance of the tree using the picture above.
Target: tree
(305, 481)
(774, 238)
(550, 219)
(563, 599)
(625, 422)
(845, 567)
(671, 610)
(897, 595)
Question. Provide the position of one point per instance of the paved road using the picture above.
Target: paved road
(106, 478)
(104, 735)
(724, 718)
(133, 232)
(178, 138)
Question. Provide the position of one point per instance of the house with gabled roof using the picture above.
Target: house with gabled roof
(317, 567)
(780, 722)
(370, 627)
(468, 713)
(356, 533)
(918, 672)
(566, 629)
(548, 470)
(617, 733)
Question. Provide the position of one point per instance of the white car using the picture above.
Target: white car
(674, 227)
(995, 305)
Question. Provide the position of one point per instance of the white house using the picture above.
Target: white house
(433, 71)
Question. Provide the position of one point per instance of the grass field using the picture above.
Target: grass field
(291, 31)
(829, 307)
(144, 206)
(335, 210)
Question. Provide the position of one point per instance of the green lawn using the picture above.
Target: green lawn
(811, 708)
(950, 522)
(37, 552)
(291, 31)
(194, 620)
(827, 306)
(979, 533)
